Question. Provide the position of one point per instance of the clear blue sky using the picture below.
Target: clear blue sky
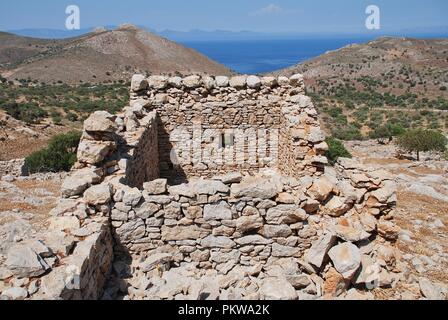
(254, 15)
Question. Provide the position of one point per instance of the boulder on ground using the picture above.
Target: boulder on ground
(346, 258)
(24, 262)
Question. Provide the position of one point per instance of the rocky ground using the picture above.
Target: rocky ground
(25, 204)
(422, 214)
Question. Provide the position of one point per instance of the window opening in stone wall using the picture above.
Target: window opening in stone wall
(227, 140)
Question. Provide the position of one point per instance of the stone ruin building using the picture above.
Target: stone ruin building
(213, 188)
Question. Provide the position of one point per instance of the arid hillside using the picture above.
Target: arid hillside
(389, 83)
(101, 56)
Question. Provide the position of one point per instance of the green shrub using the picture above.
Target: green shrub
(27, 112)
(388, 131)
(60, 155)
(336, 150)
(72, 117)
(347, 133)
(56, 117)
(420, 140)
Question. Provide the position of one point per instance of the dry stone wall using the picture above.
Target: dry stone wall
(245, 123)
(15, 168)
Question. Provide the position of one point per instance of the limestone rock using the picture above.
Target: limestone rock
(316, 135)
(253, 82)
(63, 223)
(210, 187)
(132, 197)
(209, 82)
(316, 255)
(222, 81)
(277, 289)
(182, 190)
(156, 260)
(132, 230)
(23, 262)
(101, 122)
(283, 81)
(93, 152)
(321, 189)
(217, 242)
(80, 180)
(229, 178)
(219, 211)
(285, 198)
(138, 83)
(98, 194)
(386, 194)
(283, 251)
(285, 213)
(5, 274)
(179, 233)
(335, 284)
(346, 259)
(296, 80)
(191, 82)
(15, 293)
(275, 231)
(175, 82)
(157, 186)
(238, 82)
(269, 81)
(146, 210)
(253, 240)
(157, 82)
(349, 234)
(368, 274)
(429, 290)
(388, 230)
(255, 187)
(337, 206)
(59, 242)
(249, 223)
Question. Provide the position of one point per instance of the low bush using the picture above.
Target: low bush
(27, 112)
(60, 155)
(336, 149)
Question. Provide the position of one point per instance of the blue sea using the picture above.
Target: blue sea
(260, 56)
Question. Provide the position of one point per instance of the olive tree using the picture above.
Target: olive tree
(419, 140)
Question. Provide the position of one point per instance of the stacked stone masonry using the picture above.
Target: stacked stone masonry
(330, 223)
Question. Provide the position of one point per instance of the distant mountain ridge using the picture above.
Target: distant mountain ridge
(102, 55)
(227, 35)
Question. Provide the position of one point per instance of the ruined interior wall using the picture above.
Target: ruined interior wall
(302, 142)
(253, 110)
(143, 158)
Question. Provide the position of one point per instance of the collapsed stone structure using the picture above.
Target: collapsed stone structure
(215, 188)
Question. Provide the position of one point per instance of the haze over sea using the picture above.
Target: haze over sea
(260, 56)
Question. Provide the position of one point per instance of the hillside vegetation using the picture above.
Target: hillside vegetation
(381, 88)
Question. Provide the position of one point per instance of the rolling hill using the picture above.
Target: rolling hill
(380, 87)
(100, 56)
